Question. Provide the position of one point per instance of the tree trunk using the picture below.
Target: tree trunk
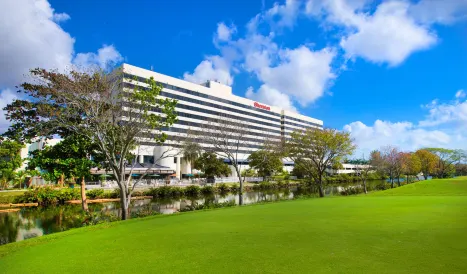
(124, 204)
(364, 186)
(398, 180)
(84, 201)
(407, 182)
(240, 202)
(320, 186)
(425, 176)
(392, 182)
(62, 179)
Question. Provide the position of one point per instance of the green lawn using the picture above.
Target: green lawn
(396, 231)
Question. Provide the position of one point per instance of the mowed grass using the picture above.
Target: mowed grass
(375, 233)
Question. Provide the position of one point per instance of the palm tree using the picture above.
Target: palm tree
(191, 151)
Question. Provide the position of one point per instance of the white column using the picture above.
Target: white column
(140, 159)
(177, 169)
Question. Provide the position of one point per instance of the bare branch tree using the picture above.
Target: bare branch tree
(228, 139)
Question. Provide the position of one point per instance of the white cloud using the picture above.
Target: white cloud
(224, 33)
(460, 94)
(31, 37)
(443, 126)
(390, 35)
(106, 57)
(284, 15)
(301, 73)
(454, 113)
(442, 12)
(61, 17)
(404, 135)
(213, 68)
(271, 96)
(6, 96)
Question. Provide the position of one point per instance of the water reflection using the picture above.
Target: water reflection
(34, 222)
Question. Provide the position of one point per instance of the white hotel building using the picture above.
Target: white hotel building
(205, 103)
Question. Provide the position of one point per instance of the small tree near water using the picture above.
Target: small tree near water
(314, 150)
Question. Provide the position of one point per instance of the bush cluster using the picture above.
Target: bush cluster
(49, 195)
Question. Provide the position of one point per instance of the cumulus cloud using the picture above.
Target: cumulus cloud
(284, 15)
(224, 32)
(443, 126)
(389, 32)
(214, 68)
(390, 35)
(105, 58)
(6, 96)
(270, 96)
(300, 73)
(32, 37)
(442, 12)
(460, 94)
(61, 17)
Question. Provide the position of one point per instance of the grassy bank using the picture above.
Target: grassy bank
(7, 197)
(418, 228)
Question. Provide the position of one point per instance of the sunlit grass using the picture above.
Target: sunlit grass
(418, 228)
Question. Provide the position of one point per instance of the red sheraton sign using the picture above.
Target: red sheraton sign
(258, 105)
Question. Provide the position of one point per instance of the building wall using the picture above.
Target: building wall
(201, 104)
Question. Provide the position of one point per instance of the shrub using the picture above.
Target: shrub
(209, 206)
(144, 212)
(223, 188)
(351, 190)
(95, 193)
(49, 195)
(192, 191)
(235, 188)
(208, 190)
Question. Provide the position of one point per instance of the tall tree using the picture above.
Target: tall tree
(411, 164)
(363, 170)
(447, 158)
(119, 117)
(10, 160)
(70, 158)
(428, 162)
(314, 150)
(191, 151)
(211, 166)
(265, 162)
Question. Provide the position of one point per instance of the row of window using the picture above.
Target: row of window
(285, 118)
(198, 140)
(154, 144)
(195, 93)
(204, 103)
(219, 114)
(299, 125)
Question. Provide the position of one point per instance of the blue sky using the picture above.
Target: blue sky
(391, 72)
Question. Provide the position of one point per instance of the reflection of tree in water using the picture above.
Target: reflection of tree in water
(9, 225)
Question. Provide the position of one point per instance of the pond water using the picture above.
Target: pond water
(34, 222)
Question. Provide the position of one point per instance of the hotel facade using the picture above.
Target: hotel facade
(200, 104)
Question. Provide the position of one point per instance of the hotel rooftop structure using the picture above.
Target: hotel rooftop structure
(199, 104)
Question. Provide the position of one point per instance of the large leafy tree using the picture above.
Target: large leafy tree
(314, 150)
(212, 166)
(10, 160)
(119, 117)
(265, 162)
(71, 158)
(447, 158)
(411, 164)
(428, 162)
